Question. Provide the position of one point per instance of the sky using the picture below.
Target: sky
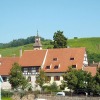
(22, 18)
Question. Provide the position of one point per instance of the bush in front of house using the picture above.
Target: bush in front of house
(5, 93)
(51, 88)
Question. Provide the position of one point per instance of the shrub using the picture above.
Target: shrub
(6, 93)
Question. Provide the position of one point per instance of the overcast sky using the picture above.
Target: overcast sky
(22, 18)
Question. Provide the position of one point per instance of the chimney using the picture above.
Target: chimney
(20, 52)
(0, 63)
(0, 55)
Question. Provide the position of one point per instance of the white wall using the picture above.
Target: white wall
(6, 85)
(34, 85)
(52, 77)
(85, 61)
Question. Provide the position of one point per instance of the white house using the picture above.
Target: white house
(54, 62)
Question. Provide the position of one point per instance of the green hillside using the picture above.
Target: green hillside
(14, 51)
(92, 46)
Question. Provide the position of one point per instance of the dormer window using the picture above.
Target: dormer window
(56, 67)
(47, 67)
(72, 58)
(73, 66)
(85, 58)
(54, 59)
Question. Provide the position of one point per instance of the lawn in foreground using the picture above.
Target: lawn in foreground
(6, 98)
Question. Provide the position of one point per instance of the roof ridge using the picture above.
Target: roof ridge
(36, 50)
(9, 57)
(67, 48)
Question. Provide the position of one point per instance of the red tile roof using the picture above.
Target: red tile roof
(32, 58)
(6, 64)
(63, 56)
(55, 57)
(90, 69)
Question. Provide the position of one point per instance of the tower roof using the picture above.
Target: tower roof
(37, 43)
(37, 34)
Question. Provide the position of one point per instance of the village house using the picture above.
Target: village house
(54, 62)
(5, 66)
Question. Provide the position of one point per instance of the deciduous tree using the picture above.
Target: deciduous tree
(95, 86)
(71, 79)
(41, 79)
(78, 80)
(16, 77)
(60, 41)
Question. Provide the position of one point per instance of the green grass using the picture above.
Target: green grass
(6, 98)
(92, 46)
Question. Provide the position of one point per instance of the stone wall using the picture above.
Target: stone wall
(25, 97)
(67, 98)
(49, 97)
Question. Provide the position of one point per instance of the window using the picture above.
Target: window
(47, 67)
(73, 66)
(4, 79)
(54, 59)
(57, 78)
(33, 70)
(37, 69)
(72, 58)
(85, 58)
(29, 70)
(56, 67)
(25, 69)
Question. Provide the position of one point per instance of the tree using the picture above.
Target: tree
(71, 79)
(93, 57)
(60, 41)
(97, 77)
(41, 79)
(84, 81)
(78, 80)
(95, 86)
(16, 78)
(53, 87)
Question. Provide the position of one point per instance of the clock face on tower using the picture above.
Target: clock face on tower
(36, 39)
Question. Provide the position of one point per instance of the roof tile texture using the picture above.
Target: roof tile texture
(63, 59)
(90, 69)
(6, 64)
(32, 58)
(36, 57)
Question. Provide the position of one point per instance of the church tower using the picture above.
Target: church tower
(37, 45)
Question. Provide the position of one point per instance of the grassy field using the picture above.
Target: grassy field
(5, 98)
(92, 46)
(14, 50)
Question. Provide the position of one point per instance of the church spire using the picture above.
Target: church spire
(37, 34)
(37, 45)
